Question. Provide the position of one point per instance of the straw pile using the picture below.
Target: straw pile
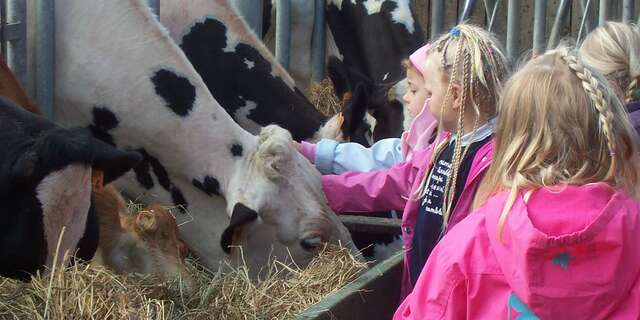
(89, 292)
(323, 97)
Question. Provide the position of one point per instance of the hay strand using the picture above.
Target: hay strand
(323, 97)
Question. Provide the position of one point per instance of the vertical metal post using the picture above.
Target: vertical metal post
(586, 6)
(251, 10)
(155, 6)
(17, 36)
(603, 15)
(437, 18)
(45, 58)
(492, 9)
(558, 23)
(539, 26)
(513, 30)
(467, 10)
(318, 41)
(627, 11)
(283, 31)
(585, 20)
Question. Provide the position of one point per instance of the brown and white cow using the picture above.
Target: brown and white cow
(137, 249)
(46, 204)
(129, 82)
(145, 243)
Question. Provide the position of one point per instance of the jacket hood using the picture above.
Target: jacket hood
(572, 250)
(420, 132)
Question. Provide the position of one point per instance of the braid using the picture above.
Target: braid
(592, 88)
(458, 155)
(628, 97)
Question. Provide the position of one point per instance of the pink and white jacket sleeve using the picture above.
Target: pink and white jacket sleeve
(382, 190)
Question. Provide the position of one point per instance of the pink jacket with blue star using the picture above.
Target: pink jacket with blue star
(572, 253)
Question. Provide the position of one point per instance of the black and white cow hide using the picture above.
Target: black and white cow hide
(137, 90)
(45, 185)
(241, 73)
(374, 36)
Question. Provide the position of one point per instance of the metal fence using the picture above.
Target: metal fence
(522, 24)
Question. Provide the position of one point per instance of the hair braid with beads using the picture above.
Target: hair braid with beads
(479, 66)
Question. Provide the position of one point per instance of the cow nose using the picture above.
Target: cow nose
(311, 244)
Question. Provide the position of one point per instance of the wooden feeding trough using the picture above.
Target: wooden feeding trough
(376, 293)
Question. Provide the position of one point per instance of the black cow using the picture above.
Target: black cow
(373, 38)
(45, 185)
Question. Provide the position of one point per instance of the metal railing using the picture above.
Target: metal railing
(545, 22)
(39, 78)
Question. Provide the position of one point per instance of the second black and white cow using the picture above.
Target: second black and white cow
(45, 188)
(241, 73)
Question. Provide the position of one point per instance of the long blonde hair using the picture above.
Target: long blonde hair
(614, 50)
(472, 58)
(560, 123)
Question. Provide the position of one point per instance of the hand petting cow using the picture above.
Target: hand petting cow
(141, 93)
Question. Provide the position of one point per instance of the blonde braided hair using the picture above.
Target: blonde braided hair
(561, 124)
(479, 66)
(631, 89)
(592, 88)
(614, 50)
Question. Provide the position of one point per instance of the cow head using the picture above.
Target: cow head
(368, 105)
(145, 243)
(353, 123)
(46, 185)
(157, 234)
(278, 209)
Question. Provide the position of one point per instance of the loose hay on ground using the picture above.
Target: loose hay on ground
(323, 97)
(89, 292)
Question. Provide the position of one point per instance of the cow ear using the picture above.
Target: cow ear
(339, 76)
(146, 221)
(112, 161)
(51, 151)
(241, 214)
(24, 169)
(275, 151)
(355, 111)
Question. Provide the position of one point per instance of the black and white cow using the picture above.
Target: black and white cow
(45, 186)
(238, 69)
(373, 37)
(367, 41)
(128, 81)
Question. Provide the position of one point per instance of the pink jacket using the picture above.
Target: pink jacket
(566, 254)
(391, 189)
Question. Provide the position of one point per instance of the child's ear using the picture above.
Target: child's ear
(456, 96)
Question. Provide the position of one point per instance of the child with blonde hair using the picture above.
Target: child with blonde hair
(614, 50)
(557, 235)
(463, 73)
(332, 157)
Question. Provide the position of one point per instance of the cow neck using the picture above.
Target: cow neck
(233, 48)
(173, 107)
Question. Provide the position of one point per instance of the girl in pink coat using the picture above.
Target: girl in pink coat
(557, 235)
(463, 72)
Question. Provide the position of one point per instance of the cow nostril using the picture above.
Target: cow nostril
(311, 244)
